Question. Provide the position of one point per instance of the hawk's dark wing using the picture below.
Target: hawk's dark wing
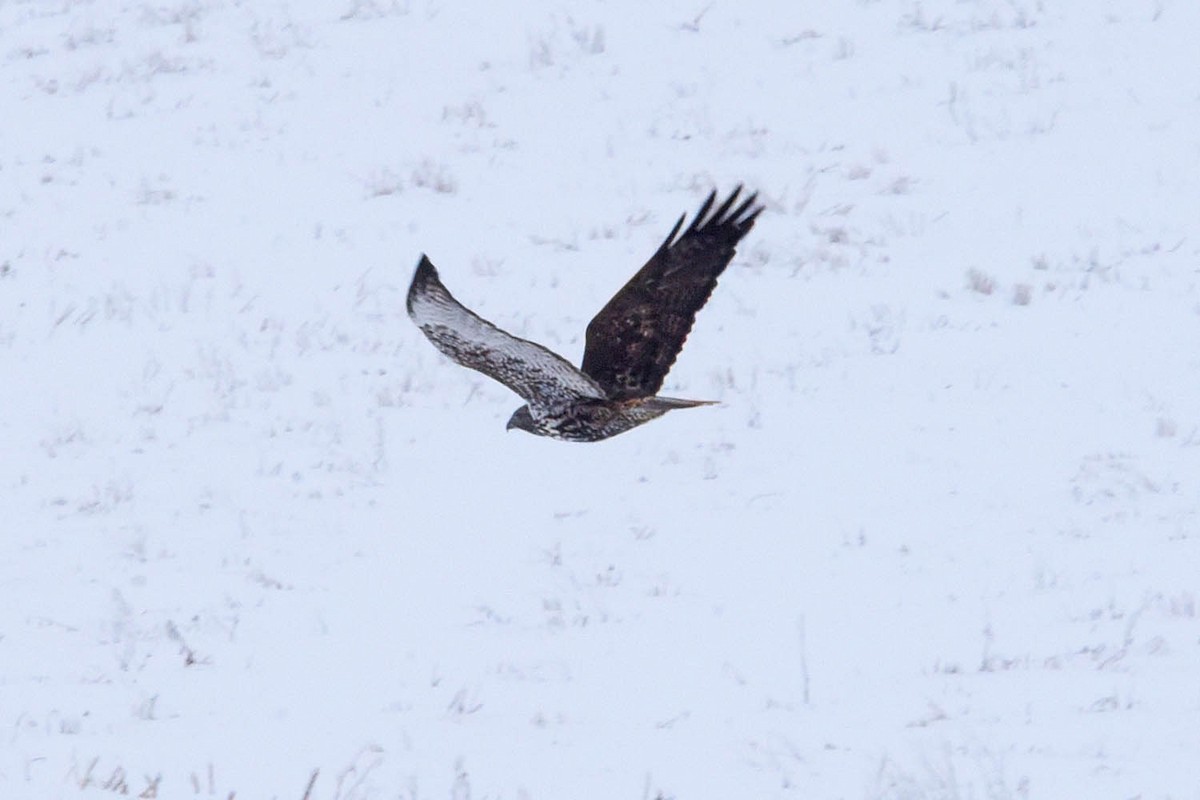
(544, 379)
(633, 341)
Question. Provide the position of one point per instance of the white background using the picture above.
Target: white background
(940, 540)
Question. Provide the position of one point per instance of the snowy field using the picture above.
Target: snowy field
(941, 539)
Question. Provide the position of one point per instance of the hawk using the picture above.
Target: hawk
(630, 344)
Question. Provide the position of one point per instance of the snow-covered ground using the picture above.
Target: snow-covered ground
(259, 539)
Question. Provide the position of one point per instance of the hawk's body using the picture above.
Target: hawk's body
(631, 343)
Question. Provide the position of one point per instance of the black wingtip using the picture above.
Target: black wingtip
(424, 274)
(667, 242)
(707, 218)
(719, 216)
(703, 212)
(740, 218)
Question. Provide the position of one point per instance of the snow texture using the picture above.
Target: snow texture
(261, 540)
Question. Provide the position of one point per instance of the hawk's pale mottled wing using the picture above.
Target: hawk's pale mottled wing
(542, 378)
(633, 341)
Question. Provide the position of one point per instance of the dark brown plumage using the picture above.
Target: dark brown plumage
(631, 344)
(634, 340)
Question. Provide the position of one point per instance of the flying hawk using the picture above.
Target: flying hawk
(631, 343)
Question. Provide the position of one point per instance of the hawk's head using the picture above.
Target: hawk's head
(522, 420)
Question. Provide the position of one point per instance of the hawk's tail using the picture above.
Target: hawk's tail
(668, 403)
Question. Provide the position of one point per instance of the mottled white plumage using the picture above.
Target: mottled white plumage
(542, 378)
